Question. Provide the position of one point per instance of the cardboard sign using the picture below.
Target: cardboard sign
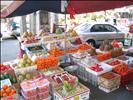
(5, 82)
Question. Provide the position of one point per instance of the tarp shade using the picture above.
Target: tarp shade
(75, 6)
(86, 6)
(29, 6)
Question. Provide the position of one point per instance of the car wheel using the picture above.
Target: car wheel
(14, 36)
(92, 42)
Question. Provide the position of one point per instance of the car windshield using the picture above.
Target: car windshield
(83, 27)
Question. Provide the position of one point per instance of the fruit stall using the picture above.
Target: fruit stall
(50, 66)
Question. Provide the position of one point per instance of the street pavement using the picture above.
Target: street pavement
(9, 49)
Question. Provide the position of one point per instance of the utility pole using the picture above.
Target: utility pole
(23, 27)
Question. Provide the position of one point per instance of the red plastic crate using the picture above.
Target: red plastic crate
(127, 78)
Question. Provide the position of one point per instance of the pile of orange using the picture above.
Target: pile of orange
(84, 46)
(45, 63)
(121, 69)
(7, 91)
(103, 56)
(72, 50)
(56, 52)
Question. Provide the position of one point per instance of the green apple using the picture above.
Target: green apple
(23, 73)
(29, 61)
(20, 77)
(25, 56)
(22, 65)
(28, 76)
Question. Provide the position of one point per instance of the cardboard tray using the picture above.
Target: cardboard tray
(52, 71)
(54, 83)
(82, 95)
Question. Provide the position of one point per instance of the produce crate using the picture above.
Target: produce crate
(35, 57)
(33, 74)
(82, 73)
(109, 84)
(19, 70)
(13, 97)
(82, 94)
(109, 89)
(72, 69)
(113, 59)
(124, 59)
(51, 71)
(127, 78)
(129, 87)
(76, 59)
(92, 76)
(54, 83)
(12, 73)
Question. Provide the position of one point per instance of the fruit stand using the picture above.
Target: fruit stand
(38, 74)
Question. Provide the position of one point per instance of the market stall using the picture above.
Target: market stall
(37, 73)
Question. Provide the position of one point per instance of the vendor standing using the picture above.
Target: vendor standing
(14, 25)
(131, 31)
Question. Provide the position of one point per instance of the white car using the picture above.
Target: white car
(95, 33)
(8, 33)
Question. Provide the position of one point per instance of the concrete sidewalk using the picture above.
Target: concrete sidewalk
(9, 49)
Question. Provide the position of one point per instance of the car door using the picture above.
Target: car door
(112, 32)
(105, 31)
(98, 31)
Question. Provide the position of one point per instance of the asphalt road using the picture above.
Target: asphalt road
(9, 49)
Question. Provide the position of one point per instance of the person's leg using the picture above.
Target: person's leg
(0, 37)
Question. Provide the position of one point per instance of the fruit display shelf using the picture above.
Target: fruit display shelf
(81, 93)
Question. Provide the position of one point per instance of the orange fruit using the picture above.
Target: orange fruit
(2, 90)
(13, 91)
(5, 87)
(10, 94)
(4, 95)
(8, 90)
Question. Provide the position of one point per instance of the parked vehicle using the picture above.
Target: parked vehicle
(8, 32)
(95, 33)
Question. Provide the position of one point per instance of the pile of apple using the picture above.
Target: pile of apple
(60, 78)
(72, 33)
(27, 34)
(30, 40)
(114, 62)
(25, 76)
(96, 68)
(24, 62)
(4, 67)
